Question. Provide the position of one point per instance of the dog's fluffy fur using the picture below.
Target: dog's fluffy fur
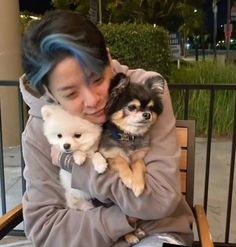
(132, 109)
(78, 136)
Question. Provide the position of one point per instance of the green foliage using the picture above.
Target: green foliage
(206, 73)
(139, 46)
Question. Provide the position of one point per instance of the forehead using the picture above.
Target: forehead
(134, 102)
(69, 72)
(66, 71)
(141, 103)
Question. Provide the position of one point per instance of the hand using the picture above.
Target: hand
(55, 155)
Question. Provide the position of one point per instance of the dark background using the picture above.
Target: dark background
(35, 6)
(40, 6)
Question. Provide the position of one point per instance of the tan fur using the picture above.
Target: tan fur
(138, 181)
(132, 175)
(120, 165)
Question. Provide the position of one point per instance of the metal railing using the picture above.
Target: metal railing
(186, 89)
(213, 88)
(11, 84)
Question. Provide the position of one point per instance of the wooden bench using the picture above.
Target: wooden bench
(186, 137)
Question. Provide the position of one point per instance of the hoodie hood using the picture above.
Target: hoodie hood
(33, 99)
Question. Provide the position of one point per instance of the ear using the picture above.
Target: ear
(119, 82)
(158, 106)
(155, 84)
(118, 85)
(47, 111)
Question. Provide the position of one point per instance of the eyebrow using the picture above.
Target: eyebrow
(66, 88)
(89, 77)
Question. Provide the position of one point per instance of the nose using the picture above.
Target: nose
(91, 98)
(66, 146)
(146, 115)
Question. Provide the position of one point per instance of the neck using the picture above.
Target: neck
(131, 131)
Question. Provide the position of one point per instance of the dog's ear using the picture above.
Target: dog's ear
(155, 84)
(47, 111)
(119, 82)
(118, 85)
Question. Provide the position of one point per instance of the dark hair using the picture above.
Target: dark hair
(57, 35)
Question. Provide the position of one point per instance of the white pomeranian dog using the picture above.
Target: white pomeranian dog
(72, 134)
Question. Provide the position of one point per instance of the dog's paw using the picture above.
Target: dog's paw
(86, 205)
(99, 162)
(131, 239)
(127, 180)
(139, 233)
(79, 157)
(138, 187)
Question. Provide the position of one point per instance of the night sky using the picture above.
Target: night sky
(40, 6)
(35, 6)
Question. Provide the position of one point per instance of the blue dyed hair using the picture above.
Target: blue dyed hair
(60, 34)
(54, 43)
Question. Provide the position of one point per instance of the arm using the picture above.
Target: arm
(162, 193)
(47, 221)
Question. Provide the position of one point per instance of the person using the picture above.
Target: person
(66, 62)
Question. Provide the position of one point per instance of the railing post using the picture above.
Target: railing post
(2, 173)
(231, 178)
(209, 138)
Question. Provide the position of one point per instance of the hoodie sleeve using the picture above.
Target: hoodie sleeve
(47, 221)
(162, 193)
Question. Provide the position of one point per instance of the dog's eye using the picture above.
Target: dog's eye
(77, 135)
(132, 107)
(151, 108)
(59, 135)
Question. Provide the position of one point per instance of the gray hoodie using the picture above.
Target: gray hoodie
(161, 208)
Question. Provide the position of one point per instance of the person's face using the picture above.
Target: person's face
(68, 85)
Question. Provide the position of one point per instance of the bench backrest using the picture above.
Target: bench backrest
(185, 130)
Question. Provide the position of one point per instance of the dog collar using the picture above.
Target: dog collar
(121, 136)
(118, 134)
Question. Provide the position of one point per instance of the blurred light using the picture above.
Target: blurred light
(195, 11)
(31, 16)
(154, 24)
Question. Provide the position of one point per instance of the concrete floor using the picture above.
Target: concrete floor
(218, 185)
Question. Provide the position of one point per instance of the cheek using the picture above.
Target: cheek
(154, 117)
(74, 107)
(104, 89)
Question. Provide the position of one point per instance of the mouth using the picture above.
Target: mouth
(98, 113)
(141, 123)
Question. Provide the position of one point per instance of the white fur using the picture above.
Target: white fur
(58, 121)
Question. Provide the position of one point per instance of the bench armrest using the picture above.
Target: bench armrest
(10, 220)
(203, 227)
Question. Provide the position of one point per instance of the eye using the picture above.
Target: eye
(132, 107)
(151, 108)
(98, 80)
(71, 95)
(59, 135)
(77, 135)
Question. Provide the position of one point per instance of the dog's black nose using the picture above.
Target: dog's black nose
(146, 115)
(66, 146)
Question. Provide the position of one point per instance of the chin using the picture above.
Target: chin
(97, 120)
